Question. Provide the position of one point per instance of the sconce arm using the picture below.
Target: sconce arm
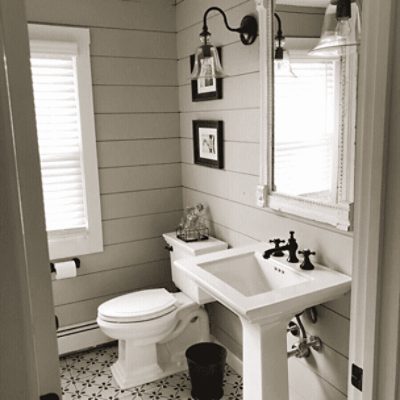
(279, 39)
(279, 34)
(247, 30)
(205, 26)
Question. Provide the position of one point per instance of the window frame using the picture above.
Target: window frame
(47, 39)
(340, 213)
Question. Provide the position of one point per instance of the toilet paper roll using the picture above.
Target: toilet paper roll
(66, 269)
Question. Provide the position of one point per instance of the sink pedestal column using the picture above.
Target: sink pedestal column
(265, 366)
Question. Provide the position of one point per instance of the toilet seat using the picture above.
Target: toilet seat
(138, 306)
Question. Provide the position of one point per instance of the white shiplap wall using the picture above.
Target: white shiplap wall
(133, 54)
(230, 193)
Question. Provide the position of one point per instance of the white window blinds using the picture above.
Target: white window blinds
(306, 115)
(63, 96)
(55, 90)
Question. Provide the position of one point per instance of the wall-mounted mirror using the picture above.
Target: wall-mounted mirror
(311, 131)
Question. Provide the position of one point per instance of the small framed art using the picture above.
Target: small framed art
(206, 89)
(208, 146)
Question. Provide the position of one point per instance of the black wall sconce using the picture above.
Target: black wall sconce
(207, 64)
(279, 39)
(282, 61)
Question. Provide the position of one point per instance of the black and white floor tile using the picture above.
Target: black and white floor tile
(87, 376)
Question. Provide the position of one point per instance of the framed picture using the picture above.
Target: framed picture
(206, 89)
(208, 146)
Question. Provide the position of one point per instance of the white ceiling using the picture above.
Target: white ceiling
(304, 3)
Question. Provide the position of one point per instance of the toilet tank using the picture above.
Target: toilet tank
(180, 249)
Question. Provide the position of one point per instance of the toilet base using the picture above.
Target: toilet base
(126, 380)
(138, 364)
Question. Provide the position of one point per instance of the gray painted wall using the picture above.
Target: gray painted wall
(133, 54)
(230, 193)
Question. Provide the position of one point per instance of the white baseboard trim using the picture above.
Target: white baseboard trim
(232, 359)
(80, 337)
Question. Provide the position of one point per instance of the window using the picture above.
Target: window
(62, 90)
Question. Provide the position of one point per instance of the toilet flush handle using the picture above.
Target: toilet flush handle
(168, 247)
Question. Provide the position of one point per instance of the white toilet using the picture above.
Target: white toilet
(154, 327)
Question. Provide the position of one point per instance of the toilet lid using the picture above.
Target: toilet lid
(138, 306)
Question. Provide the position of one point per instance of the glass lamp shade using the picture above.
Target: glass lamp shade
(282, 67)
(207, 64)
(338, 36)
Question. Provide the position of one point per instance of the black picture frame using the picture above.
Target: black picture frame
(208, 143)
(203, 94)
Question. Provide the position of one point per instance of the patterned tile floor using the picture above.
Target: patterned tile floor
(87, 376)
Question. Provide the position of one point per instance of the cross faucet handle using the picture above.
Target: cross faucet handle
(306, 264)
(277, 242)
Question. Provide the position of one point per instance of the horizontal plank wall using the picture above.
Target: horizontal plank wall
(134, 70)
(230, 193)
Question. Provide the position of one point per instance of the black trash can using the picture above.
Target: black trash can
(206, 363)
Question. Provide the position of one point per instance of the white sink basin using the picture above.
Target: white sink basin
(251, 275)
(257, 289)
(265, 294)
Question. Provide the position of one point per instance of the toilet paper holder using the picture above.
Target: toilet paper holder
(76, 260)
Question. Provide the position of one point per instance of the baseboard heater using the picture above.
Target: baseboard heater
(79, 337)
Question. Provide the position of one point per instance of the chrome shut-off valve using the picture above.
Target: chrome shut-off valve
(302, 348)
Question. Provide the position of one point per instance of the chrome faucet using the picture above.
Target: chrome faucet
(291, 246)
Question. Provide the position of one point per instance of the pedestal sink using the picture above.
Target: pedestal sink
(265, 294)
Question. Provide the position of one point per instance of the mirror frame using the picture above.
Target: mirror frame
(339, 214)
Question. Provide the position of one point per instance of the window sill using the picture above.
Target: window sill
(78, 244)
(338, 215)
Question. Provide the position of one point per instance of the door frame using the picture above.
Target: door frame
(28, 336)
(371, 183)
